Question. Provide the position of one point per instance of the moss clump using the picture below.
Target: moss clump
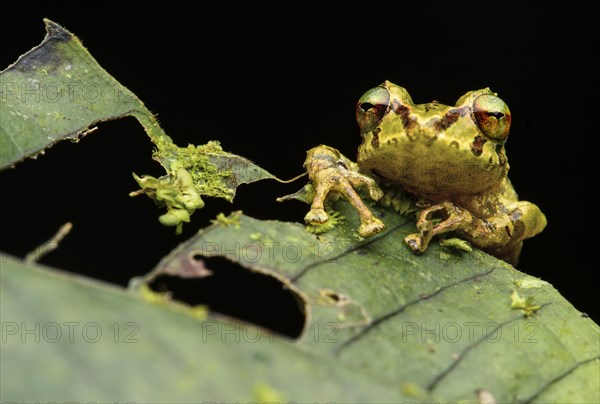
(335, 218)
(190, 174)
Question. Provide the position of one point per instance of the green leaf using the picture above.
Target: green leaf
(383, 325)
(68, 339)
(439, 327)
(57, 91)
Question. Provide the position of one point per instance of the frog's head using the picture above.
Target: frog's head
(434, 148)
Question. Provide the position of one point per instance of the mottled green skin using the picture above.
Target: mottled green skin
(417, 146)
(451, 156)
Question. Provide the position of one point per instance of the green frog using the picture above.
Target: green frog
(451, 157)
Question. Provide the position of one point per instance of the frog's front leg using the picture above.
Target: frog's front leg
(501, 235)
(330, 171)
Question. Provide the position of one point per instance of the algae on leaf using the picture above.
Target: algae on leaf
(57, 91)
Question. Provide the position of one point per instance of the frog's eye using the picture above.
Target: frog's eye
(493, 116)
(371, 108)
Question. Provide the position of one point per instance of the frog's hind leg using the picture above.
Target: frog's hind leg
(509, 253)
(456, 218)
(501, 235)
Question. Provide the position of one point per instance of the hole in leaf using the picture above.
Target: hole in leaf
(237, 292)
(332, 295)
(334, 298)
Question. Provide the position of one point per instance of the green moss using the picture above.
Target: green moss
(226, 221)
(190, 175)
(396, 198)
(412, 390)
(206, 176)
(176, 192)
(145, 292)
(530, 283)
(260, 237)
(525, 304)
(264, 393)
(456, 244)
(335, 218)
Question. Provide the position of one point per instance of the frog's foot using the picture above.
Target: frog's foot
(370, 226)
(418, 242)
(330, 172)
(501, 235)
(397, 198)
(455, 218)
(316, 215)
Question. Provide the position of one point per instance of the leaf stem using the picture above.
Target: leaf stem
(50, 245)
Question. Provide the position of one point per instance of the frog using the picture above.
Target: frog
(450, 158)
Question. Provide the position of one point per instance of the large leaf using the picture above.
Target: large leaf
(57, 91)
(442, 326)
(383, 325)
(67, 339)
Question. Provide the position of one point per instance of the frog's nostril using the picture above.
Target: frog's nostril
(365, 106)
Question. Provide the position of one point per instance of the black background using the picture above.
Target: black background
(270, 82)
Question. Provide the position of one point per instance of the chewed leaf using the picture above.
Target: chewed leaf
(58, 91)
(240, 169)
(441, 330)
(382, 325)
(147, 348)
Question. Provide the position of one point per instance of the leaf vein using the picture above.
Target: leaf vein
(557, 379)
(440, 376)
(12, 138)
(422, 297)
(355, 247)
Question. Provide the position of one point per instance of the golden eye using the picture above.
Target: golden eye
(371, 108)
(493, 116)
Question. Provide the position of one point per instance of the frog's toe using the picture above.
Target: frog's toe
(316, 216)
(415, 242)
(375, 193)
(370, 227)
